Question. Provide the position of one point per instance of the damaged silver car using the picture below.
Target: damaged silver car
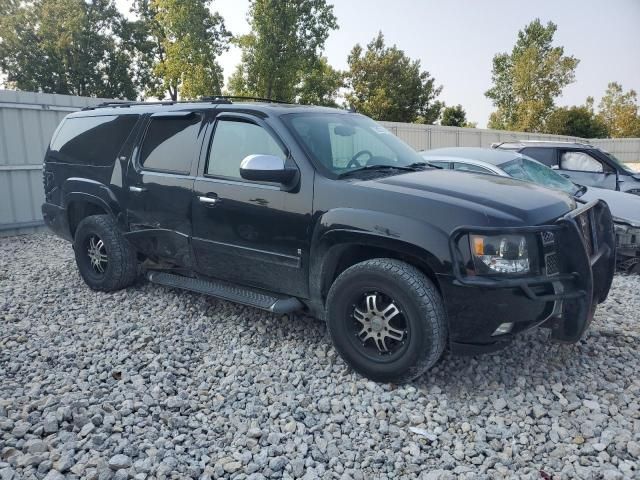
(625, 207)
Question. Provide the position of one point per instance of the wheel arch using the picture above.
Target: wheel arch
(83, 197)
(339, 250)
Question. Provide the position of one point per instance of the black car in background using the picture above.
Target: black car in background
(295, 208)
(582, 163)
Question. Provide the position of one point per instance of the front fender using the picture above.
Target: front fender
(342, 228)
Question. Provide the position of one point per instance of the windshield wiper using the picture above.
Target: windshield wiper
(422, 165)
(407, 168)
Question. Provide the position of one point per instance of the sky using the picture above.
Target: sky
(455, 40)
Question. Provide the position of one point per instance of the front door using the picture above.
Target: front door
(160, 181)
(251, 233)
(584, 169)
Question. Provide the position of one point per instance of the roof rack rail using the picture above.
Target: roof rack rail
(210, 99)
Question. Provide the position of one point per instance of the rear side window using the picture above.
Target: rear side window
(170, 143)
(92, 140)
(467, 167)
(233, 141)
(546, 156)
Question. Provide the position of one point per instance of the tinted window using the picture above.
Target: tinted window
(465, 167)
(92, 140)
(233, 141)
(546, 156)
(170, 143)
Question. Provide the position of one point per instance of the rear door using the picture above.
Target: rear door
(585, 169)
(250, 233)
(160, 181)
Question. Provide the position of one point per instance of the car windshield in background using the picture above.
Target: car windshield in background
(617, 162)
(342, 143)
(532, 171)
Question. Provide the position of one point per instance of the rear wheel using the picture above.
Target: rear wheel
(386, 319)
(106, 261)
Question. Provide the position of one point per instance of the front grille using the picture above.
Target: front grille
(552, 264)
(584, 222)
(548, 238)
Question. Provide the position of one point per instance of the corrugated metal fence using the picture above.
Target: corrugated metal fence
(28, 120)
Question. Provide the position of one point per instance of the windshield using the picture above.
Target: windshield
(339, 143)
(618, 163)
(531, 171)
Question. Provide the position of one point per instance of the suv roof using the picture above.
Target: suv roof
(540, 143)
(265, 106)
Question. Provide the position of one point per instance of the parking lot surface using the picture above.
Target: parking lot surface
(158, 383)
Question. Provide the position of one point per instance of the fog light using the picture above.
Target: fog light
(502, 329)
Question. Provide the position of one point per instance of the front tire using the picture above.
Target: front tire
(106, 261)
(386, 320)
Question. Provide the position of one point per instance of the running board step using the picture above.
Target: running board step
(228, 291)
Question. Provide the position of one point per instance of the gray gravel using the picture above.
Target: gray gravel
(157, 383)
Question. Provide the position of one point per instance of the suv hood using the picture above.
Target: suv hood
(514, 201)
(623, 206)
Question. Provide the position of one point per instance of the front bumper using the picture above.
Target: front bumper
(55, 217)
(574, 277)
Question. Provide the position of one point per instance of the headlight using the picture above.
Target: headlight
(500, 253)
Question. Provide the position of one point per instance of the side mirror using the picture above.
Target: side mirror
(266, 168)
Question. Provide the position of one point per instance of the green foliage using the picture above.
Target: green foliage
(577, 121)
(320, 85)
(285, 45)
(527, 81)
(65, 46)
(177, 43)
(387, 85)
(454, 117)
(619, 111)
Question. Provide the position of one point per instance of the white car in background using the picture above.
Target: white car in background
(624, 207)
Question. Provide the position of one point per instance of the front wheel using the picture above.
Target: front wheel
(105, 259)
(386, 319)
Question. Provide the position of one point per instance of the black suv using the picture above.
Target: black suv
(584, 164)
(293, 208)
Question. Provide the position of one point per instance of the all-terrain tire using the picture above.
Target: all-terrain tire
(420, 305)
(121, 267)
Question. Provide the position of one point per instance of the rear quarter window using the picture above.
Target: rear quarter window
(91, 140)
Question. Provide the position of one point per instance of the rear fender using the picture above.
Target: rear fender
(89, 191)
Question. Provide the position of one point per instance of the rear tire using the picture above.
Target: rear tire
(386, 320)
(105, 259)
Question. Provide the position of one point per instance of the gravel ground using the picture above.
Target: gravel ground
(156, 383)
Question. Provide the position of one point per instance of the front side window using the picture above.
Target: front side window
(341, 142)
(233, 141)
(170, 143)
(581, 162)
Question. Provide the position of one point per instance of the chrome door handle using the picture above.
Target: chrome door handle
(209, 200)
(136, 189)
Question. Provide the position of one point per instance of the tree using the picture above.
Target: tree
(619, 111)
(178, 44)
(387, 85)
(454, 117)
(320, 85)
(65, 46)
(577, 121)
(527, 81)
(285, 44)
